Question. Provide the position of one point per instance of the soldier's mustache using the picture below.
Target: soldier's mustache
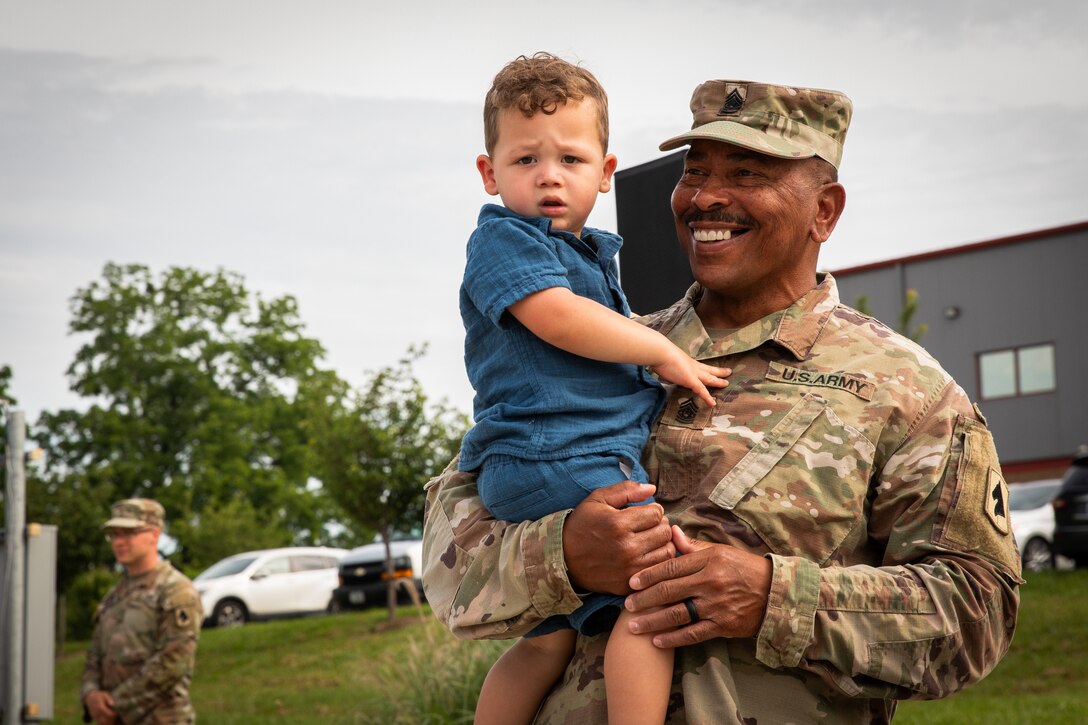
(724, 217)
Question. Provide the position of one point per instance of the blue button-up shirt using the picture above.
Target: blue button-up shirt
(534, 400)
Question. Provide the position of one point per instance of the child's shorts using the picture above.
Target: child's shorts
(516, 489)
(598, 614)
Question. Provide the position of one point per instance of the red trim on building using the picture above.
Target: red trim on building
(1022, 471)
(1000, 242)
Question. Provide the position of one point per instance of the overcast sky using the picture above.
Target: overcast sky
(325, 149)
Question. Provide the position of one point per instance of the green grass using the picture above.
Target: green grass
(347, 668)
(357, 668)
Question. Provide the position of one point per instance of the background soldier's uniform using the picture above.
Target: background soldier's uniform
(144, 647)
(841, 451)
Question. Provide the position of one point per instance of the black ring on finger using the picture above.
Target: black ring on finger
(692, 611)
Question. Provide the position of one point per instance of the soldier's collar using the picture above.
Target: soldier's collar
(795, 328)
(803, 321)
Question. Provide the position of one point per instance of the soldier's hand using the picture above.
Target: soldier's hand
(100, 705)
(605, 541)
(728, 587)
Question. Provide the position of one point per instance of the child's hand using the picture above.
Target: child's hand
(681, 369)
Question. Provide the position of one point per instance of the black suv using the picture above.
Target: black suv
(1071, 511)
(364, 579)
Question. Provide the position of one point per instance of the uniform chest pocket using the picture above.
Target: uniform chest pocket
(802, 488)
(134, 636)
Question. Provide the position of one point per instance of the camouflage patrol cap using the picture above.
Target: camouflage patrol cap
(132, 513)
(791, 123)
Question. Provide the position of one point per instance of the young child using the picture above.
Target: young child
(563, 404)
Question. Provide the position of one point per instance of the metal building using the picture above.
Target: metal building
(1008, 319)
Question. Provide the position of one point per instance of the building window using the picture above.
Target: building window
(1016, 371)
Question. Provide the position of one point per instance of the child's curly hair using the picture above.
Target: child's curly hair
(540, 84)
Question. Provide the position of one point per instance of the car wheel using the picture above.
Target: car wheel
(1038, 555)
(334, 606)
(229, 613)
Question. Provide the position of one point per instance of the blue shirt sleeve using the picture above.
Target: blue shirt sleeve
(509, 260)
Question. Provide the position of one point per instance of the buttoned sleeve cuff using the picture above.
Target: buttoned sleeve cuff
(791, 611)
(550, 590)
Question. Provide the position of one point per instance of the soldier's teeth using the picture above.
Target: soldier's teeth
(712, 235)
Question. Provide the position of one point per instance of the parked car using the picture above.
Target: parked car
(1032, 519)
(1071, 511)
(268, 583)
(363, 575)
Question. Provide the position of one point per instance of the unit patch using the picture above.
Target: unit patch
(854, 384)
(997, 502)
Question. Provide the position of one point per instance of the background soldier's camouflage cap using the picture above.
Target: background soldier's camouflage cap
(791, 123)
(132, 513)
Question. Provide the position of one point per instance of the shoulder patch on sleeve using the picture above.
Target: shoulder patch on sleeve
(997, 503)
(181, 604)
(975, 500)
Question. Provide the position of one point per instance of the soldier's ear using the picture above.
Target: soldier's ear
(830, 201)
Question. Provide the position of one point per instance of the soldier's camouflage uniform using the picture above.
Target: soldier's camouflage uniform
(841, 451)
(144, 647)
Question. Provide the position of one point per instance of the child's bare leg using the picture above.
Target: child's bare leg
(519, 680)
(637, 676)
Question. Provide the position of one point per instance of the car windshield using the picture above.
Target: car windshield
(1024, 498)
(413, 535)
(227, 567)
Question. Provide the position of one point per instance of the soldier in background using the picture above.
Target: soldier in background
(140, 661)
(850, 543)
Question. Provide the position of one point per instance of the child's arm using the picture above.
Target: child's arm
(587, 328)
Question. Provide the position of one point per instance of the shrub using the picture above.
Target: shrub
(83, 596)
(437, 680)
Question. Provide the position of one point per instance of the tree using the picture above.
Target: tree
(230, 528)
(5, 382)
(379, 445)
(7, 401)
(196, 389)
(906, 315)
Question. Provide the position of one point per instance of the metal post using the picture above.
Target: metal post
(14, 544)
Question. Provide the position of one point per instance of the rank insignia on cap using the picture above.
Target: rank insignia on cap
(997, 501)
(734, 100)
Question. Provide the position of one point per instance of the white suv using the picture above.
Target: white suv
(1032, 519)
(268, 583)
